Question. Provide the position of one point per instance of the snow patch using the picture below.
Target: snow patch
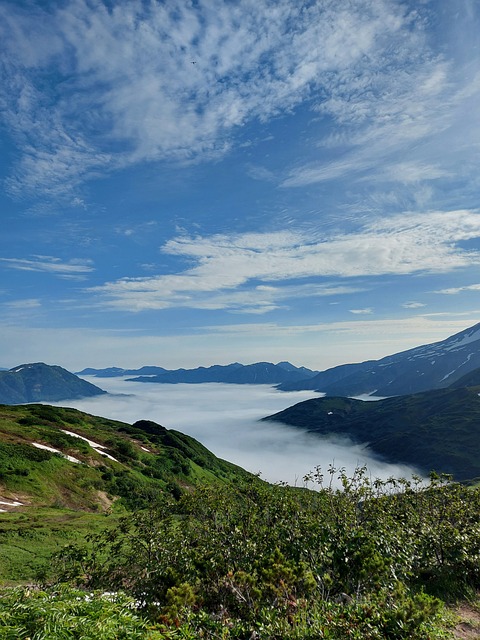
(64, 455)
(473, 337)
(94, 445)
(12, 504)
(447, 375)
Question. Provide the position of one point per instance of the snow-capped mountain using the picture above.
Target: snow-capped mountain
(431, 366)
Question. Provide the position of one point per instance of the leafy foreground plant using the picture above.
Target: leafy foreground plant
(256, 561)
(69, 613)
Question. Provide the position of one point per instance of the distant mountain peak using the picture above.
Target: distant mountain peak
(431, 366)
(234, 373)
(40, 382)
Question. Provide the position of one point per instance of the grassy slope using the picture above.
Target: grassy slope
(62, 500)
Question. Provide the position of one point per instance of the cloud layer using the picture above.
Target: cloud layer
(255, 272)
(137, 81)
(73, 268)
(225, 419)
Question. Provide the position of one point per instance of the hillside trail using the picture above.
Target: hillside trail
(468, 628)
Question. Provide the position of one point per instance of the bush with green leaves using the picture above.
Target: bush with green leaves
(259, 561)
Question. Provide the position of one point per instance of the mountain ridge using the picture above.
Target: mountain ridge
(234, 373)
(51, 455)
(431, 366)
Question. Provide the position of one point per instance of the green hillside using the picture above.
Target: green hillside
(143, 533)
(48, 500)
(435, 430)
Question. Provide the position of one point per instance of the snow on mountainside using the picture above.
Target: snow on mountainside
(39, 382)
(431, 366)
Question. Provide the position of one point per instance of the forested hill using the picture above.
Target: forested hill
(436, 430)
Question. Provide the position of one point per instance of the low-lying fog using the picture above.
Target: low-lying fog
(225, 418)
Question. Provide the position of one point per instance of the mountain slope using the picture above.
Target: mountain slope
(471, 379)
(41, 382)
(437, 429)
(431, 366)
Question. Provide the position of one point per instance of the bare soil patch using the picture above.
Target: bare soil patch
(468, 628)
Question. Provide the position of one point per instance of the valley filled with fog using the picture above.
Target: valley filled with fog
(225, 418)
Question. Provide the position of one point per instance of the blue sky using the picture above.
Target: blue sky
(195, 182)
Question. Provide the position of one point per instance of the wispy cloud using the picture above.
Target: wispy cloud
(455, 290)
(413, 305)
(142, 81)
(362, 312)
(403, 124)
(317, 345)
(228, 270)
(26, 304)
(73, 268)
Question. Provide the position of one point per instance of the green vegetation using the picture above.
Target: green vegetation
(166, 542)
(62, 500)
(29, 538)
(69, 613)
(437, 429)
(371, 560)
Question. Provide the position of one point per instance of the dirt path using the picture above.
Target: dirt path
(469, 626)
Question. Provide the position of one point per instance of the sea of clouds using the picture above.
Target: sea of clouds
(226, 419)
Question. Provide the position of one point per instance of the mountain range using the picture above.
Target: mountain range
(431, 366)
(39, 382)
(430, 418)
(235, 373)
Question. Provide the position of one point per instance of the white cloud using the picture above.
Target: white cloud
(225, 267)
(317, 346)
(225, 418)
(29, 303)
(366, 311)
(74, 268)
(125, 89)
(455, 290)
(413, 305)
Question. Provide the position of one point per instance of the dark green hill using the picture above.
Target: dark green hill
(435, 430)
(39, 382)
(471, 379)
